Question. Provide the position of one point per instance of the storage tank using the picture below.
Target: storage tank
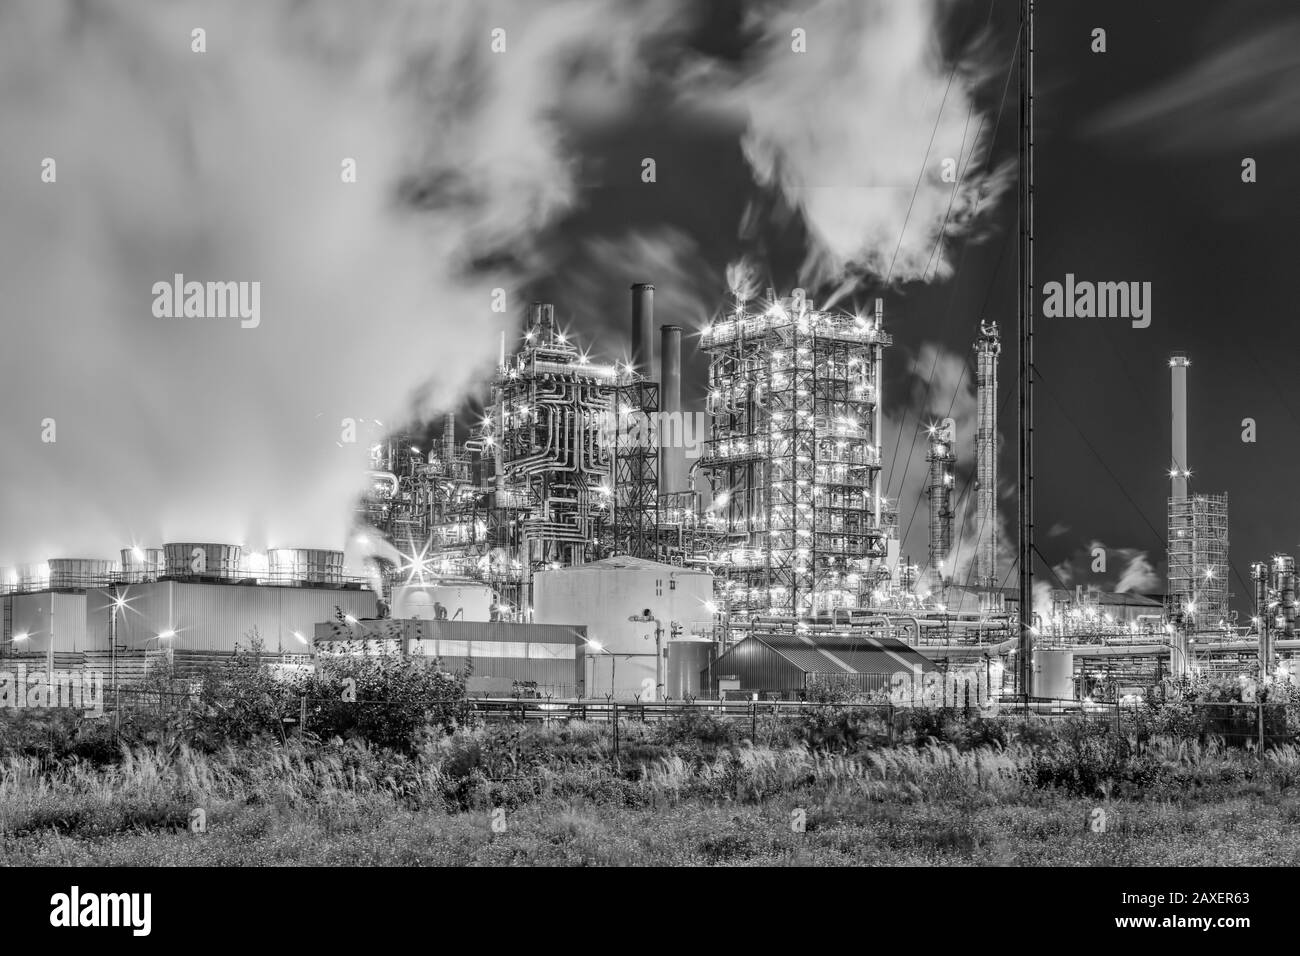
(34, 576)
(430, 602)
(142, 564)
(80, 572)
(1054, 674)
(186, 559)
(304, 566)
(687, 659)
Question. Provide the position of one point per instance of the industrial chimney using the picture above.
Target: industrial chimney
(1178, 470)
(987, 349)
(643, 317)
(672, 430)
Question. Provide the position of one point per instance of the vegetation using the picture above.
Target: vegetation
(402, 776)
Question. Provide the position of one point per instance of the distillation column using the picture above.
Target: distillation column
(939, 486)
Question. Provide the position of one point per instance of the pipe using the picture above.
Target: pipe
(643, 317)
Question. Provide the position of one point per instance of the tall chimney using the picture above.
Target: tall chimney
(643, 318)
(987, 350)
(672, 436)
(449, 438)
(1178, 469)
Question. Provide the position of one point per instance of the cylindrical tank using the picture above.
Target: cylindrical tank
(33, 576)
(304, 566)
(186, 559)
(643, 321)
(452, 602)
(79, 572)
(1054, 674)
(142, 564)
(687, 660)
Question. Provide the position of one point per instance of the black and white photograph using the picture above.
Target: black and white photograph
(683, 434)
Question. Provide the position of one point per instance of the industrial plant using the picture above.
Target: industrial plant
(591, 537)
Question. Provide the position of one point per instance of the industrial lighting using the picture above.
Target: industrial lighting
(166, 635)
(21, 637)
(350, 619)
(299, 636)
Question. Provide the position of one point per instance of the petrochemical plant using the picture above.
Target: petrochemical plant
(592, 538)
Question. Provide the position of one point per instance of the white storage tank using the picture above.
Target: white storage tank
(304, 566)
(687, 659)
(603, 595)
(80, 572)
(452, 602)
(1054, 674)
(142, 564)
(186, 559)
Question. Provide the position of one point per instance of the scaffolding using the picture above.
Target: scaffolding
(1198, 561)
(636, 468)
(796, 520)
(548, 460)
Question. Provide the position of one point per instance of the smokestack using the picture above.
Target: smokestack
(448, 438)
(986, 455)
(643, 318)
(672, 452)
(1178, 470)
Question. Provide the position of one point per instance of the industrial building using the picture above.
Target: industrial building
(502, 659)
(785, 665)
(632, 612)
(572, 501)
(183, 599)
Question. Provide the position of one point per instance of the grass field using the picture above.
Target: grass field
(555, 796)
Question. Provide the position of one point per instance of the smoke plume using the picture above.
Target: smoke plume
(229, 165)
(843, 131)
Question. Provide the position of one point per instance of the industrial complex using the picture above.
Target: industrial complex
(592, 538)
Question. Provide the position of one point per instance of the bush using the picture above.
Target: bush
(397, 700)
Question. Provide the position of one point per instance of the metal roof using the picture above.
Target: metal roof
(624, 561)
(846, 655)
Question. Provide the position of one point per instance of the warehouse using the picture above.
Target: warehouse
(782, 666)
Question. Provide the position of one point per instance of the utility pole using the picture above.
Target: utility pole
(1025, 657)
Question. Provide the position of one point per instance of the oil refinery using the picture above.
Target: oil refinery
(591, 537)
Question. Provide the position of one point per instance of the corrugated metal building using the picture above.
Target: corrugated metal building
(600, 597)
(42, 618)
(544, 658)
(216, 617)
(782, 665)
